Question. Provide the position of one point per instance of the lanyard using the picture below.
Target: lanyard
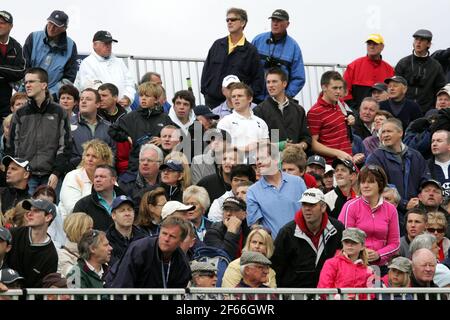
(165, 276)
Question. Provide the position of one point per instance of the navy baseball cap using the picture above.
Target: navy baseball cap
(118, 201)
(202, 110)
(173, 165)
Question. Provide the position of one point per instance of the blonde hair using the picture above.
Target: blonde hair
(187, 177)
(267, 238)
(150, 89)
(76, 224)
(406, 278)
(7, 120)
(198, 193)
(15, 216)
(102, 150)
(436, 217)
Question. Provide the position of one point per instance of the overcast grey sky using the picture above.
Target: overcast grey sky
(327, 31)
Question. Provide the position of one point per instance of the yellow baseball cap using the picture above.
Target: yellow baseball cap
(375, 37)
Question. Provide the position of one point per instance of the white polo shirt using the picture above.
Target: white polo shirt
(243, 130)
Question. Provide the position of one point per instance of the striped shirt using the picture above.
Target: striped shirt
(327, 121)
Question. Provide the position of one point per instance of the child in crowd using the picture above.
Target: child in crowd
(349, 267)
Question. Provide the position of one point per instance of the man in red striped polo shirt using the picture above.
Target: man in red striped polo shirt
(327, 122)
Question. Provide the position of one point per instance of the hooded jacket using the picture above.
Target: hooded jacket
(141, 125)
(406, 170)
(341, 272)
(296, 260)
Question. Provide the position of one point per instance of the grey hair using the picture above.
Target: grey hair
(422, 241)
(200, 194)
(146, 77)
(149, 146)
(397, 197)
(89, 240)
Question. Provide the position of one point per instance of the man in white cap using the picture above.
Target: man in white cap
(308, 241)
(101, 66)
(18, 173)
(226, 107)
(364, 72)
(52, 50)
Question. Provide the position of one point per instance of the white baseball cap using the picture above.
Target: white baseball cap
(312, 195)
(171, 206)
(229, 79)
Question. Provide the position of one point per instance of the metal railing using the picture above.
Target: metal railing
(230, 294)
(175, 71)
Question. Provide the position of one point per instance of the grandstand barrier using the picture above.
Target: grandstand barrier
(264, 294)
(174, 72)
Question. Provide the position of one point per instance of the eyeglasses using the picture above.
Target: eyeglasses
(232, 19)
(438, 230)
(149, 160)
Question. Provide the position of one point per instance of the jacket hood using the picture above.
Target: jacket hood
(404, 148)
(183, 127)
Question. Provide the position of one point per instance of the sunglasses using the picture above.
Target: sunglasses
(438, 230)
(232, 19)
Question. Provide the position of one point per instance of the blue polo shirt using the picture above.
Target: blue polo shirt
(274, 207)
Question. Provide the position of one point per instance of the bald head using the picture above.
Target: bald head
(424, 265)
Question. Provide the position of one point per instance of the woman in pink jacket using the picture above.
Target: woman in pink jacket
(375, 216)
(349, 267)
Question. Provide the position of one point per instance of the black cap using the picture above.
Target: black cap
(19, 161)
(59, 18)
(398, 79)
(315, 159)
(423, 33)
(5, 15)
(234, 203)
(9, 276)
(41, 204)
(118, 201)
(347, 163)
(379, 86)
(103, 36)
(280, 14)
(202, 110)
(436, 183)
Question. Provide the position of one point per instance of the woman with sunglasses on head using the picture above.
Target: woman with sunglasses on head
(149, 216)
(437, 225)
(375, 216)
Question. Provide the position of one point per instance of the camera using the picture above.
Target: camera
(272, 62)
(417, 79)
